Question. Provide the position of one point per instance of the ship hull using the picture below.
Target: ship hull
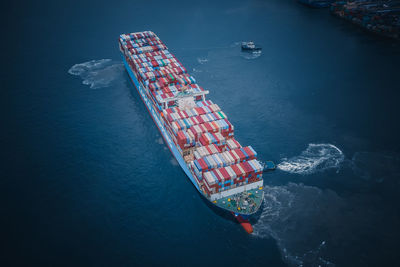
(169, 142)
(251, 49)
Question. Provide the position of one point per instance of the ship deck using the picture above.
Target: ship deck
(246, 203)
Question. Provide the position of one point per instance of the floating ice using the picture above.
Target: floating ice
(316, 158)
(98, 73)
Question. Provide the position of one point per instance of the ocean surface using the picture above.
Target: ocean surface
(86, 178)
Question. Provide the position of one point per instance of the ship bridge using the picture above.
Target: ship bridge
(184, 94)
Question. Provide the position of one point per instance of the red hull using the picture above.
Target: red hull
(244, 223)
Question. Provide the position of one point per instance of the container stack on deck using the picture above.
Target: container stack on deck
(155, 67)
(381, 17)
(228, 169)
(202, 132)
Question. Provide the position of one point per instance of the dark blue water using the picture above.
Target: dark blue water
(87, 180)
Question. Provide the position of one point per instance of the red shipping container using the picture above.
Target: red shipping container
(209, 150)
(236, 170)
(246, 166)
(249, 152)
(234, 156)
(185, 113)
(240, 154)
(181, 115)
(181, 136)
(206, 190)
(169, 118)
(166, 90)
(199, 119)
(203, 142)
(217, 175)
(154, 63)
(193, 120)
(203, 164)
(216, 127)
(194, 133)
(200, 110)
(225, 174)
(207, 127)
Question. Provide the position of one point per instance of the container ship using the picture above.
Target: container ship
(197, 132)
(379, 17)
(316, 3)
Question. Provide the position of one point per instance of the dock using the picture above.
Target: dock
(379, 17)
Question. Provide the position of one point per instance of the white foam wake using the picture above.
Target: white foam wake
(98, 73)
(290, 215)
(251, 55)
(236, 44)
(316, 158)
(197, 70)
(202, 60)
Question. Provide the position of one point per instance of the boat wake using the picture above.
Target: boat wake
(197, 70)
(307, 222)
(287, 216)
(251, 55)
(98, 73)
(236, 44)
(316, 158)
(202, 60)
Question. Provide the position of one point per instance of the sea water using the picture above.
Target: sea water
(87, 178)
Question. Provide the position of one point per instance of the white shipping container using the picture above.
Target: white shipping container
(234, 175)
(220, 175)
(229, 159)
(209, 178)
(217, 160)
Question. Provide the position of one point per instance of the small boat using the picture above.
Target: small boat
(250, 46)
(269, 166)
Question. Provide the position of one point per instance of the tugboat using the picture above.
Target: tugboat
(269, 166)
(250, 46)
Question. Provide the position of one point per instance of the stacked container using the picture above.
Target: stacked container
(232, 144)
(229, 177)
(213, 138)
(184, 140)
(219, 161)
(226, 158)
(203, 151)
